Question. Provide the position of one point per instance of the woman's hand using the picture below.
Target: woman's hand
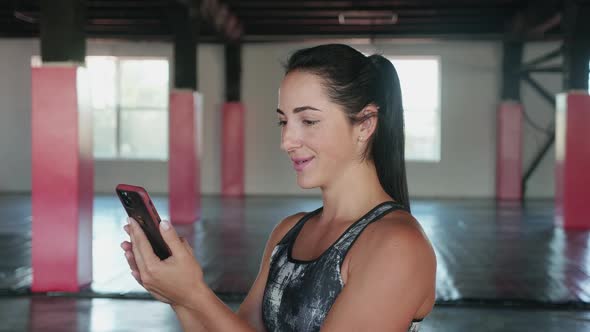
(173, 280)
(128, 249)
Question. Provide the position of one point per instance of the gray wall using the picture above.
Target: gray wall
(470, 88)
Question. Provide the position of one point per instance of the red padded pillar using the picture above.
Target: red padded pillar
(572, 148)
(232, 156)
(62, 179)
(184, 149)
(509, 151)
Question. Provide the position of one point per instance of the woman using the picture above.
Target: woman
(359, 263)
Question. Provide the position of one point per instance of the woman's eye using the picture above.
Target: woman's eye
(282, 123)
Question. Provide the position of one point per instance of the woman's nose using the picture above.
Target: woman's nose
(289, 139)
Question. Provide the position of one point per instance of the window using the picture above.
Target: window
(130, 105)
(420, 84)
(129, 99)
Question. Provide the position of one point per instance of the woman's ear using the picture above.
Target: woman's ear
(367, 122)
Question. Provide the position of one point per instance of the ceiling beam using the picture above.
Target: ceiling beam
(401, 21)
(536, 20)
(219, 15)
(124, 21)
(314, 4)
(229, 18)
(443, 28)
(127, 3)
(439, 12)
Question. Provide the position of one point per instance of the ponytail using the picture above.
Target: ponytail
(388, 148)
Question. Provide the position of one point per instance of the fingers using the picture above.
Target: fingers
(142, 249)
(126, 246)
(171, 237)
(136, 275)
(131, 261)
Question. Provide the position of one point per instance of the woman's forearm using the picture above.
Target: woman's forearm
(188, 320)
(214, 315)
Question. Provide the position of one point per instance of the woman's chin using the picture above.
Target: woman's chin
(306, 183)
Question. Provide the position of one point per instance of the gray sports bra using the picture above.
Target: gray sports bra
(299, 294)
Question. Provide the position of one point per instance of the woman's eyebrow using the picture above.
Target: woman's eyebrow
(300, 109)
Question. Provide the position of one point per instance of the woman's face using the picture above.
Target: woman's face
(316, 133)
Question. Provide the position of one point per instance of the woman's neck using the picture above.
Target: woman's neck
(352, 194)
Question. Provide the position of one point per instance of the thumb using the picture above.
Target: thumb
(171, 237)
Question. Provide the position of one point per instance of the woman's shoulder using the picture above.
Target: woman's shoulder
(284, 226)
(395, 249)
(396, 234)
(398, 225)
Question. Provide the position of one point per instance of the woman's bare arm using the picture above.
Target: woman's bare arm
(214, 315)
(188, 320)
(390, 277)
(206, 312)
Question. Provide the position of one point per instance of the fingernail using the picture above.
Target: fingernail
(165, 225)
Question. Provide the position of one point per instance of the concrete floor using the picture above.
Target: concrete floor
(488, 253)
(81, 315)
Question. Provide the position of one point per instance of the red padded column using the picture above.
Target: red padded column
(184, 149)
(572, 147)
(62, 179)
(509, 151)
(232, 156)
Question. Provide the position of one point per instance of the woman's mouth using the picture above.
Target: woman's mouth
(300, 163)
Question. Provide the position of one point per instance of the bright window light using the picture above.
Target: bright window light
(130, 105)
(420, 84)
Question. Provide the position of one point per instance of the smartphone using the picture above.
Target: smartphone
(139, 206)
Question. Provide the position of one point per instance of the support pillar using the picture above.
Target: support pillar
(62, 159)
(509, 151)
(232, 155)
(233, 122)
(509, 126)
(572, 178)
(186, 106)
(184, 164)
(572, 147)
(62, 180)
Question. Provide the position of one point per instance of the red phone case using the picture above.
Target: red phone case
(139, 206)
